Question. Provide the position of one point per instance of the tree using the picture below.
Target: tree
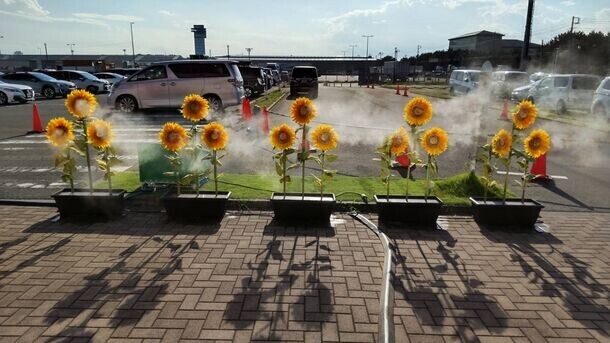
(388, 58)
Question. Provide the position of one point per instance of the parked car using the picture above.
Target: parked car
(276, 77)
(565, 92)
(12, 93)
(42, 84)
(112, 78)
(304, 79)
(503, 82)
(463, 81)
(268, 78)
(521, 93)
(124, 71)
(165, 84)
(273, 66)
(601, 99)
(253, 80)
(284, 76)
(82, 80)
(538, 76)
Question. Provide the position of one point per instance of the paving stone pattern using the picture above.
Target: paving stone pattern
(141, 279)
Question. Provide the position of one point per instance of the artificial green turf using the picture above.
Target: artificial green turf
(268, 99)
(454, 190)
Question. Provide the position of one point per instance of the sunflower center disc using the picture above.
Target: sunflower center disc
(397, 141)
(101, 132)
(535, 143)
(215, 135)
(418, 111)
(283, 136)
(522, 115)
(325, 137)
(81, 106)
(304, 111)
(173, 137)
(501, 143)
(433, 140)
(59, 132)
(194, 107)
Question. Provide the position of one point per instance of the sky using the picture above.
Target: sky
(279, 27)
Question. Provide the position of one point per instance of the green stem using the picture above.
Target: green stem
(303, 146)
(510, 155)
(427, 179)
(524, 181)
(106, 157)
(323, 155)
(70, 171)
(177, 172)
(489, 156)
(215, 172)
(284, 158)
(408, 177)
(87, 157)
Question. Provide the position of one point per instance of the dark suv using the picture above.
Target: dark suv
(304, 79)
(254, 80)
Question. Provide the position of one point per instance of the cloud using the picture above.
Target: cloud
(167, 13)
(109, 17)
(337, 23)
(499, 8)
(568, 3)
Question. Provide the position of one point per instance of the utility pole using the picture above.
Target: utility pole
(527, 36)
(344, 52)
(367, 44)
(1, 49)
(380, 54)
(248, 50)
(133, 50)
(71, 45)
(394, 64)
(46, 54)
(125, 52)
(228, 54)
(575, 20)
(353, 46)
(418, 47)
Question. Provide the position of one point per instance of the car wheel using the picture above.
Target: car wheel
(126, 103)
(3, 99)
(48, 92)
(451, 91)
(248, 93)
(215, 103)
(561, 107)
(92, 89)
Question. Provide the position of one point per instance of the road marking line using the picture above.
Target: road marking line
(559, 177)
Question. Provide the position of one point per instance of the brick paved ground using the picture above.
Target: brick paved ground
(143, 279)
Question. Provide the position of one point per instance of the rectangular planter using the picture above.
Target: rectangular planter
(416, 211)
(294, 208)
(189, 207)
(510, 214)
(83, 204)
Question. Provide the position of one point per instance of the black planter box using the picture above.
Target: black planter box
(510, 214)
(189, 207)
(294, 208)
(417, 211)
(85, 205)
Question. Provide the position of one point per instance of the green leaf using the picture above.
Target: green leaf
(279, 168)
(330, 158)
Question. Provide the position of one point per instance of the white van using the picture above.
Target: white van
(165, 84)
(565, 92)
(463, 81)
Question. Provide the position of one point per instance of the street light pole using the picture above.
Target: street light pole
(1, 49)
(367, 44)
(133, 50)
(353, 46)
(71, 45)
(228, 54)
(248, 50)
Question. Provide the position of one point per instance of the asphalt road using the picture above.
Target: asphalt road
(361, 116)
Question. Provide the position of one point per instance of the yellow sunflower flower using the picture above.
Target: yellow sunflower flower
(194, 107)
(418, 111)
(302, 111)
(537, 143)
(59, 132)
(80, 103)
(524, 115)
(324, 137)
(399, 142)
(435, 141)
(501, 143)
(99, 134)
(173, 137)
(282, 137)
(214, 136)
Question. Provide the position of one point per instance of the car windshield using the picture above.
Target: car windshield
(88, 75)
(43, 77)
(516, 77)
(250, 72)
(304, 72)
(474, 76)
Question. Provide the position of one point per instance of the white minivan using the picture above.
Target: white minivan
(165, 84)
(565, 92)
(463, 81)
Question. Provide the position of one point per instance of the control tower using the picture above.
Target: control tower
(200, 36)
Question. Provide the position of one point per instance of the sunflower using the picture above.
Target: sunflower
(537, 143)
(59, 132)
(302, 111)
(418, 111)
(80, 103)
(214, 136)
(501, 143)
(435, 141)
(524, 115)
(399, 142)
(99, 134)
(194, 107)
(324, 137)
(282, 137)
(173, 136)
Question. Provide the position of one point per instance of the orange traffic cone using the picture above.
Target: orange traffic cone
(246, 109)
(36, 123)
(406, 92)
(504, 113)
(265, 120)
(397, 89)
(539, 169)
(403, 160)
